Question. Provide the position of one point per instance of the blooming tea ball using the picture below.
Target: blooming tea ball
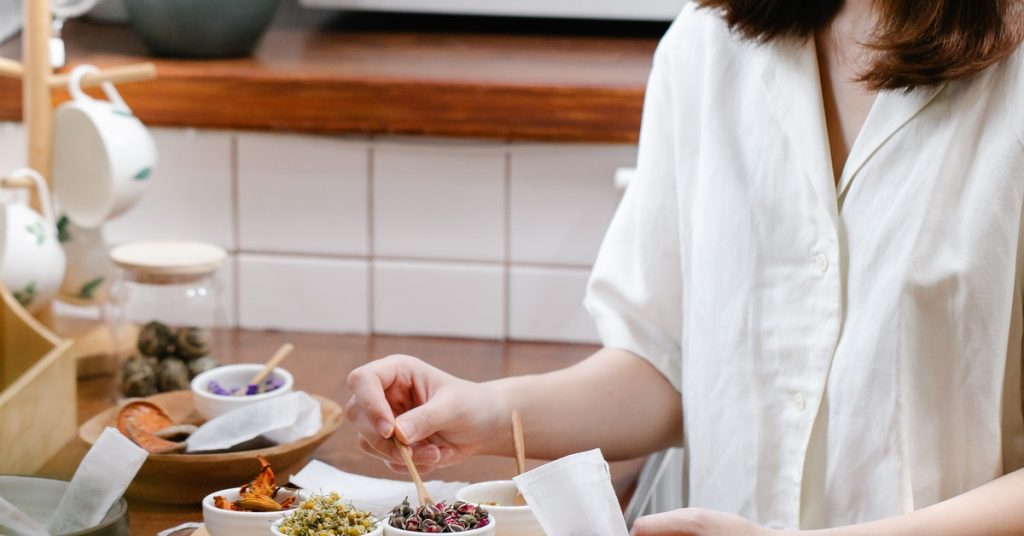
(155, 339)
(191, 342)
(201, 365)
(172, 375)
(138, 377)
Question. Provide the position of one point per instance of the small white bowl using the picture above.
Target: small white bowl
(220, 522)
(275, 529)
(483, 531)
(210, 405)
(512, 520)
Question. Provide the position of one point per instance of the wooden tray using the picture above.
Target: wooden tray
(187, 478)
(38, 409)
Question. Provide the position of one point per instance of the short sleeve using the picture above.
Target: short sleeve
(634, 292)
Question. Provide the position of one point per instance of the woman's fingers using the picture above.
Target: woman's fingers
(422, 453)
(369, 405)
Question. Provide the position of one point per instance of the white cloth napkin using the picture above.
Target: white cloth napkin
(100, 481)
(574, 496)
(282, 420)
(375, 495)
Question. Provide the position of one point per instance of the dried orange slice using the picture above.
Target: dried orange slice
(140, 421)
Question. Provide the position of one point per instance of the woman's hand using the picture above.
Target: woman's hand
(443, 418)
(697, 522)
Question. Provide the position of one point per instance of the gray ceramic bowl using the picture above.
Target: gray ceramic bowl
(201, 28)
(38, 497)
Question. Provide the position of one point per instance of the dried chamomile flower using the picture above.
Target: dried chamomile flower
(327, 515)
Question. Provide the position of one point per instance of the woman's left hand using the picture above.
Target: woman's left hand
(697, 522)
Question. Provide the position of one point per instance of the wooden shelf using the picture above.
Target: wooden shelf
(365, 74)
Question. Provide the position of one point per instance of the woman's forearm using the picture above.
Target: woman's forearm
(995, 509)
(613, 400)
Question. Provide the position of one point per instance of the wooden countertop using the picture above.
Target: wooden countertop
(320, 365)
(316, 71)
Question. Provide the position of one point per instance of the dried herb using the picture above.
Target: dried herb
(326, 515)
(156, 339)
(258, 495)
(459, 517)
(271, 384)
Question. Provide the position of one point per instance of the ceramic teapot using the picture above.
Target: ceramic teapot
(32, 261)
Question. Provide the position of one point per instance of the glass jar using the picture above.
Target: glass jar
(165, 312)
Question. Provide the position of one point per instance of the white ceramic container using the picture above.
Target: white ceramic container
(103, 156)
(512, 520)
(210, 405)
(89, 268)
(32, 262)
(230, 523)
(39, 497)
(484, 531)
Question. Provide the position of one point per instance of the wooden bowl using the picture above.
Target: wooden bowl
(187, 478)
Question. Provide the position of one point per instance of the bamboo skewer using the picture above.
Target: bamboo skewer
(268, 368)
(421, 490)
(519, 445)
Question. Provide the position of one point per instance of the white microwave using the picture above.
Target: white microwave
(653, 10)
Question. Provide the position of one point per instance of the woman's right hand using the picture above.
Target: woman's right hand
(443, 418)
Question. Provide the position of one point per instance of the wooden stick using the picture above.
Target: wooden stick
(138, 72)
(37, 106)
(17, 182)
(519, 445)
(282, 353)
(421, 490)
(11, 68)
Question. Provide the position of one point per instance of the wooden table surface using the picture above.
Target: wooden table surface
(317, 71)
(320, 364)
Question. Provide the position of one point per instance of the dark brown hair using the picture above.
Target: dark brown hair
(917, 42)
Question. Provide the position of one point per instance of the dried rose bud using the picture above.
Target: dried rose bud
(412, 524)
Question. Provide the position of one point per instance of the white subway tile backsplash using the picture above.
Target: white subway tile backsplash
(562, 200)
(441, 299)
(191, 195)
(439, 201)
(303, 194)
(546, 304)
(303, 294)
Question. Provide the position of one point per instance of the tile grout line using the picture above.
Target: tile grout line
(371, 293)
(237, 235)
(506, 277)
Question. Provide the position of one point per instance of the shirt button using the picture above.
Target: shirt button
(821, 263)
(799, 402)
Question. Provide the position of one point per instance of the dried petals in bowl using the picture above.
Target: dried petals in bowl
(271, 384)
(258, 495)
(326, 515)
(459, 517)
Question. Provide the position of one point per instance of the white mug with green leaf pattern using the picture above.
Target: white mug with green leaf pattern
(32, 261)
(103, 156)
(90, 269)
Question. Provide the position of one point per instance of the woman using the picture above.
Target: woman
(814, 284)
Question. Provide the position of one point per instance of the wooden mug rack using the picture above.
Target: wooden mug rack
(38, 368)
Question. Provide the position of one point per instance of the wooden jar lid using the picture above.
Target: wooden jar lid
(168, 261)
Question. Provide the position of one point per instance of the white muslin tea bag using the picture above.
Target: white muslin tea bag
(14, 522)
(573, 496)
(100, 481)
(282, 420)
(376, 495)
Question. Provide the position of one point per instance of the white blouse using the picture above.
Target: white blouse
(843, 354)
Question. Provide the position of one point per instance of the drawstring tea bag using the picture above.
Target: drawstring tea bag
(574, 496)
(100, 481)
